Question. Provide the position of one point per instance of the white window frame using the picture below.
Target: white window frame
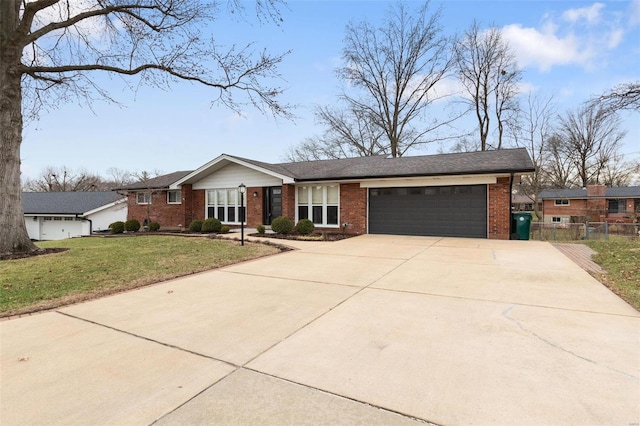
(215, 204)
(325, 204)
(146, 199)
(178, 196)
(562, 202)
(556, 219)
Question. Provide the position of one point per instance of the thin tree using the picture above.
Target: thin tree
(50, 49)
(625, 96)
(487, 69)
(532, 130)
(590, 138)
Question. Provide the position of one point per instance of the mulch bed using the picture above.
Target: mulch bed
(316, 236)
(40, 252)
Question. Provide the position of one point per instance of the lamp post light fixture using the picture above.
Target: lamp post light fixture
(243, 189)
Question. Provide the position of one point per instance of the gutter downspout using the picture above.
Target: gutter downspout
(511, 206)
(88, 220)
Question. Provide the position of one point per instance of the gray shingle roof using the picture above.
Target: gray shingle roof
(158, 182)
(484, 162)
(620, 192)
(66, 202)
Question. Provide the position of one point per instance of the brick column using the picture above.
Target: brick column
(499, 210)
(353, 207)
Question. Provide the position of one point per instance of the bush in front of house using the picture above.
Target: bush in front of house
(154, 226)
(304, 227)
(225, 229)
(117, 227)
(282, 225)
(211, 225)
(132, 225)
(260, 229)
(196, 225)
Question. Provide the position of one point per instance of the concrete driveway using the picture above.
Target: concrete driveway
(369, 330)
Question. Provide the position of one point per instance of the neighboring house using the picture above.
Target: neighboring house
(59, 215)
(524, 203)
(596, 203)
(462, 194)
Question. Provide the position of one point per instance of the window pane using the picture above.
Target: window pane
(332, 215)
(316, 195)
(303, 195)
(222, 197)
(211, 198)
(303, 212)
(231, 211)
(210, 212)
(220, 215)
(333, 194)
(317, 214)
(232, 196)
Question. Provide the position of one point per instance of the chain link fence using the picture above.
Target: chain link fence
(583, 231)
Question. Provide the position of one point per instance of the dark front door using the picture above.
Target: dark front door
(272, 203)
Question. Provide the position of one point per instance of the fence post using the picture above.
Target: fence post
(606, 230)
(553, 232)
(586, 230)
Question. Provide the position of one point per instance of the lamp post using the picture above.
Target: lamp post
(243, 189)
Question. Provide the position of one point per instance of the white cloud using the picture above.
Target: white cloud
(590, 14)
(545, 49)
(615, 38)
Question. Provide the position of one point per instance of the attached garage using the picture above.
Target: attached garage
(444, 211)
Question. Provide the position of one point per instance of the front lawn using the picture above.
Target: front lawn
(94, 267)
(621, 259)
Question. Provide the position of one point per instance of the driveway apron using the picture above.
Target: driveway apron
(368, 330)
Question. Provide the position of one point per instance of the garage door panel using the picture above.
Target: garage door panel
(458, 211)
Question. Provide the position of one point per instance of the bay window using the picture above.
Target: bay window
(319, 203)
(224, 205)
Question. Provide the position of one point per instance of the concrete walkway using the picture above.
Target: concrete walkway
(370, 330)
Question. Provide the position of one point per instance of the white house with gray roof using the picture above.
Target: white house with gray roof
(60, 215)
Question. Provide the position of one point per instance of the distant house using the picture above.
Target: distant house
(461, 195)
(60, 215)
(596, 203)
(524, 203)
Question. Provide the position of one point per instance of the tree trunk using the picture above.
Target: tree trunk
(13, 232)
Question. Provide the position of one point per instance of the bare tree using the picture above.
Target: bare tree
(62, 179)
(558, 166)
(486, 67)
(532, 129)
(349, 133)
(117, 178)
(50, 48)
(619, 171)
(624, 96)
(390, 73)
(590, 139)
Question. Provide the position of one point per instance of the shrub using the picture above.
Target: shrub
(225, 229)
(211, 225)
(305, 227)
(117, 227)
(154, 226)
(196, 225)
(281, 225)
(260, 229)
(132, 225)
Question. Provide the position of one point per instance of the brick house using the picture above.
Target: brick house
(596, 203)
(463, 194)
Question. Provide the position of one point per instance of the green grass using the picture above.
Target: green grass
(94, 267)
(621, 259)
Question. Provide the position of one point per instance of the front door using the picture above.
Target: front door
(272, 203)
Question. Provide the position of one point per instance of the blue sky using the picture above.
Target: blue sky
(571, 49)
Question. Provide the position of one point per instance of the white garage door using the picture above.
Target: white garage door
(59, 228)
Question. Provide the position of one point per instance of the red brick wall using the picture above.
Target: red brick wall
(575, 208)
(199, 202)
(254, 206)
(289, 201)
(499, 210)
(159, 210)
(353, 207)
(596, 190)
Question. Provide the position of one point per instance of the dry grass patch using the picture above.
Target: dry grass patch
(95, 267)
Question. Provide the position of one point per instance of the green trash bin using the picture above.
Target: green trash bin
(521, 225)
